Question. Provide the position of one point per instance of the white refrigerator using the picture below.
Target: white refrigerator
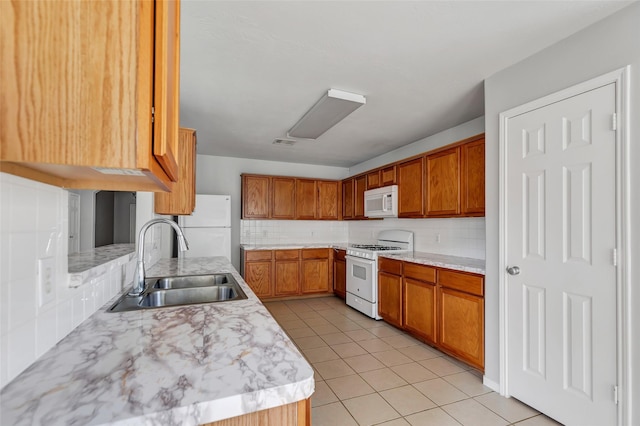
(208, 228)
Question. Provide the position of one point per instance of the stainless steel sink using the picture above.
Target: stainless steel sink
(181, 291)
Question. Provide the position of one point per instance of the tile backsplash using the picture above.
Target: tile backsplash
(292, 231)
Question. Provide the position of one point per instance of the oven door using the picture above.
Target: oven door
(362, 278)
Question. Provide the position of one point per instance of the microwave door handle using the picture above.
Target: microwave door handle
(384, 202)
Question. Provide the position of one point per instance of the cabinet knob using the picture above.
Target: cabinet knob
(513, 270)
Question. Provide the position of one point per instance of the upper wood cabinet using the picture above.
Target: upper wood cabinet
(443, 183)
(388, 176)
(255, 197)
(283, 197)
(472, 178)
(328, 199)
(373, 180)
(360, 186)
(306, 199)
(182, 199)
(79, 84)
(411, 188)
(348, 199)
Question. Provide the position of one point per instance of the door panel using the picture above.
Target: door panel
(561, 211)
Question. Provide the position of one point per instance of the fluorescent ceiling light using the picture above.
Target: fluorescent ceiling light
(333, 107)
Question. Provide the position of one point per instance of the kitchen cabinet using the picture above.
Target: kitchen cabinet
(373, 180)
(255, 197)
(419, 297)
(472, 178)
(411, 188)
(258, 272)
(388, 176)
(283, 197)
(328, 196)
(315, 270)
(306, 199)
(182, 198)
(360, 185)
(443, 183)
(390, 291)
(90, 94)
(339, 273)
(461, 316)
(287, 272)
(348, 211)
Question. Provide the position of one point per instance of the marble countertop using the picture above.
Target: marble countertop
(465, 264)
(80, 262)
(173, 366)
(293, 246)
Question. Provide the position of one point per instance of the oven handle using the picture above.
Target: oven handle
(360, 260)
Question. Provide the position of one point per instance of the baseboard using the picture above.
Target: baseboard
(491, 384)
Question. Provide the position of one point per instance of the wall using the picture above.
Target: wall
(293, 231)
(104, 224)
(221, 175)
(605, 46)
(121, 213)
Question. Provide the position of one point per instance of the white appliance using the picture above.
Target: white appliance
(208, 228)
(362, 269)
(381, 202)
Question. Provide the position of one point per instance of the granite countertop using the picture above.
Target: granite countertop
(465, 264)
(83, 261)
(174, 366)
(293, 246)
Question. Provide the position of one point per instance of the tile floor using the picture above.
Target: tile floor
(370, 373)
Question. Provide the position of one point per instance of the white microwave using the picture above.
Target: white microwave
(381, 202)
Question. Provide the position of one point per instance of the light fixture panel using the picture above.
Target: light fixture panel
(332, 108)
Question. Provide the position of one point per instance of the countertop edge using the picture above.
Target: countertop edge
(456, 263)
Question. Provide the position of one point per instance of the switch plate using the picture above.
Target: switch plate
(46, 280)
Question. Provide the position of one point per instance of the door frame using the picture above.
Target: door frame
(621, 79)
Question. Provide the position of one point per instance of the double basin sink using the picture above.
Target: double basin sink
(181, 291)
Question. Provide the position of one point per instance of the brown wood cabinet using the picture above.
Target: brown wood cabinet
(348, 198)
(314, 271)
(472, 178)
(287, 272)
(443, 183)
(388, 176)
(182, 199)
(100, 72)
(419, 297)
(328, 200)
(258, 272)
(306, 199)
(360, 185)
(373, 180)
(390, 291)
(255, 197)
(411, 188)
(283, 197)
(339, 273)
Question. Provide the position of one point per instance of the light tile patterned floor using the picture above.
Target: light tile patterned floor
(370, 373)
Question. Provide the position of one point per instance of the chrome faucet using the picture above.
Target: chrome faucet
(138, 283)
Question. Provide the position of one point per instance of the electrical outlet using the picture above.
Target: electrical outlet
(264, 232)
(437, 237)
(46, 279)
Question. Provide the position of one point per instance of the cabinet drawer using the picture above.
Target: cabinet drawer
(315, 253)
(251, 255)
(391, 266)
(468, 283)
(287, 254)
(339, 254)
(419, 272)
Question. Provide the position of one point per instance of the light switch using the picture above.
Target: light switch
(46, 280)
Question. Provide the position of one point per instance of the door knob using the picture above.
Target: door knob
(513, 270)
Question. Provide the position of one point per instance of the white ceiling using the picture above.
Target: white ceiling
(250, 70)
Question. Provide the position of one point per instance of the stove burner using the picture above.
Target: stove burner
(374, 247)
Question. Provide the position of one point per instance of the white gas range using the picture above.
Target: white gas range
(362, 269)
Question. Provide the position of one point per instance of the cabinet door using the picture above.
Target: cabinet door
(328, 195)
(472, 178)
(287, 275)
(390, 298)
(258, 276)
(283, 200)
(388, 176)
(347, 199)
(255, 197)
(411, 188)
(373, 180)
(315, 275)
(443, 183)
(306, 207)
(167, 87)
(461, 325)
(360, 187)
(182, 199)
(419, 312)
(340, 278)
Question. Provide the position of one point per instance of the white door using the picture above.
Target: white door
(74, 223)
(560, 232)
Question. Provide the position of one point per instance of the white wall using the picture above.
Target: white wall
(607, 45)
(293, 232)
(221, 175)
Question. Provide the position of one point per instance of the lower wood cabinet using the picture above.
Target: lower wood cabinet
(280, 273)
(419, 301)
(339, 273)
(390, 291)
